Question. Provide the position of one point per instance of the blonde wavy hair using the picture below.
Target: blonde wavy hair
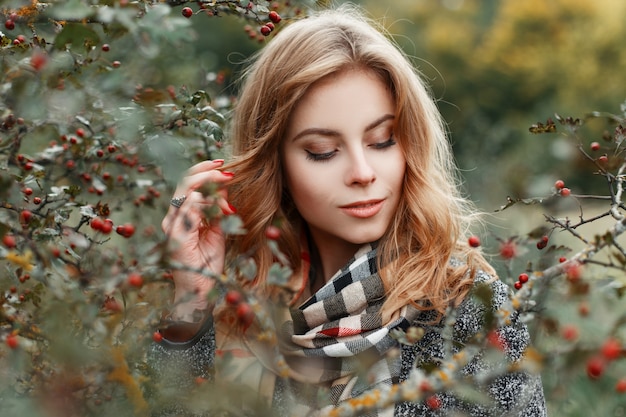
(432, 220)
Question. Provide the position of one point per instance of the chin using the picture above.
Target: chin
(366, 238)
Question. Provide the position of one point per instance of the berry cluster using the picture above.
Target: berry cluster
(521, 280)
(243, 311)
(543, 242)
(9, 24)
(610, 350)
(561, 189)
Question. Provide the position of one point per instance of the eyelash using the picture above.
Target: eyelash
(321, 157)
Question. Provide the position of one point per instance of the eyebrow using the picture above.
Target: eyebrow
(334, 133)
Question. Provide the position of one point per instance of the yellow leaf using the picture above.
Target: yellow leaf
(23, 261)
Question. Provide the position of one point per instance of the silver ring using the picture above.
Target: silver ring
(178, 201)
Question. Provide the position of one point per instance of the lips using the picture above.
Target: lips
(363, 209)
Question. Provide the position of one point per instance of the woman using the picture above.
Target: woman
(337, 143)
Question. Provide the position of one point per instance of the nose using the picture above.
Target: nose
(361, 170)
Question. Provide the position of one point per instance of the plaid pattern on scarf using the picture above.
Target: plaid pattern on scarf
(336, 339)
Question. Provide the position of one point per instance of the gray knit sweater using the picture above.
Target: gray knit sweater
(515, 394)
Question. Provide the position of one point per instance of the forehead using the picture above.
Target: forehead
(349, 96)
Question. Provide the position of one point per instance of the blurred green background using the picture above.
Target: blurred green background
(495, 67)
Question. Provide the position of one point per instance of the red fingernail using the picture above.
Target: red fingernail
(232, 208)
(218, 161)
(228, 174)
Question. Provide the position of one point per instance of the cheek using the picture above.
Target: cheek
(305, 188)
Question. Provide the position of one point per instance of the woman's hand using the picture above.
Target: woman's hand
(195, 241)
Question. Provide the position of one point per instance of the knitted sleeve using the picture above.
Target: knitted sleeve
(507, 392)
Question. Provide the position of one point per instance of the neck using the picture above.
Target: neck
(328, 257)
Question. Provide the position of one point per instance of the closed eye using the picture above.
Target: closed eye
(319, 156)
(386, 144)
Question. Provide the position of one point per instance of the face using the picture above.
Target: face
(343, 167)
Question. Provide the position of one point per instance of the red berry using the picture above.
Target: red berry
(27, 191)
(274, 17)
(135, 280)
(565, 192)
(38, 60)
(473, 241)
(496, 340)
(559, 184)
(233, 297)
(603, 159)
(595, 367)
(433, 402)
(70, 164)
(583, 309)
(111, 304)
(9, 24)
(26, 216)
(272, 232)
(55, 252)
(111, 148)
(611, 349)
(245, 314)
(270, 25)
(97, 223)
(518, 285)
(595, 146)
(265, 30)
(523, 278)
(8, 241)
(106, 227)
(12, 341)
(28, 166)
(126, 230)
(569, 332)
(508, 250)
(562, 259)
(187, 12)
(620, 386)
(37, 200)
(573, 272)
(106, 47)
(157, 337)
(116, 64)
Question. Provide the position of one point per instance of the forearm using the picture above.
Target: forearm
(189, 299)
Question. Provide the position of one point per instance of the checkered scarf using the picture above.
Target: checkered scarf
(336, 339)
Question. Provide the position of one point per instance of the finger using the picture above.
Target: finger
(205, 166)
(224, 205)
(197, 180)
(192, 210)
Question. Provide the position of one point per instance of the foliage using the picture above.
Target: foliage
(101, 109)
(94, 132)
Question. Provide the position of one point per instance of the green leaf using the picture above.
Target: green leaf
(279, 275)
(232, 225)
(247, 268)
(71, 10)
(75, 33)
